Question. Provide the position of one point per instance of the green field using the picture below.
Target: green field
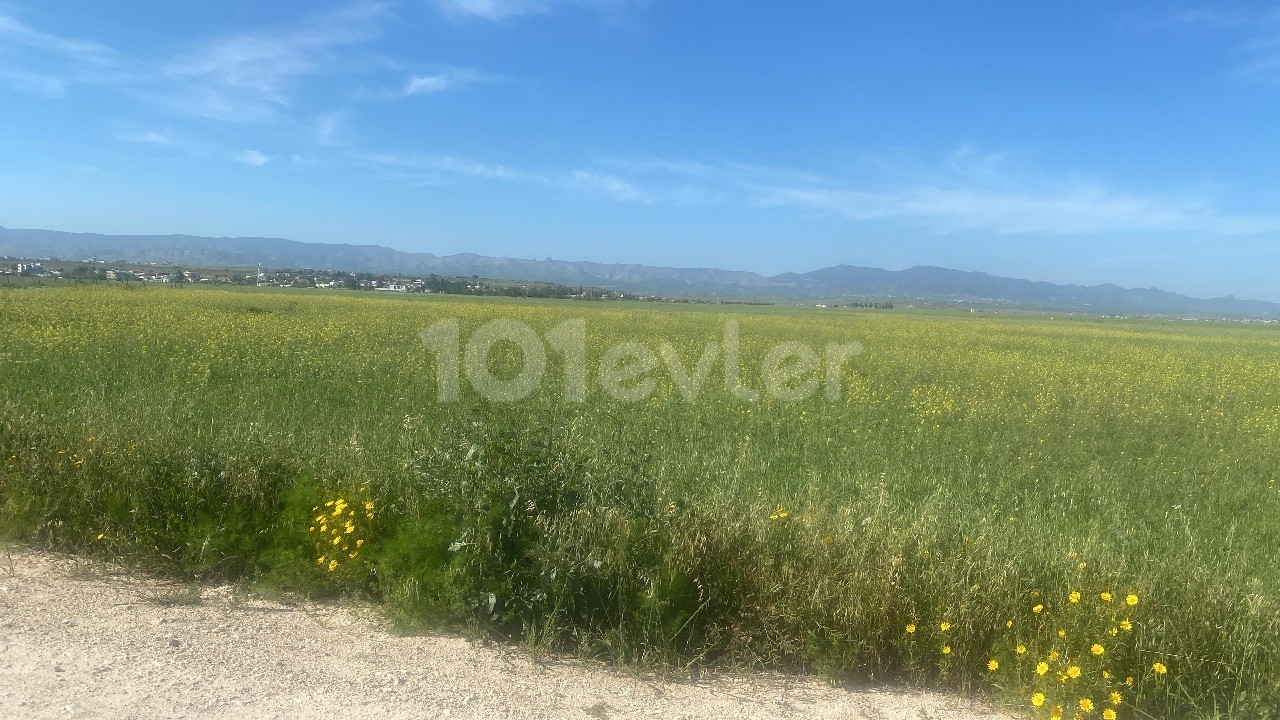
(931, 523)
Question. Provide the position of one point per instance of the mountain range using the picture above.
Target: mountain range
(840, 283)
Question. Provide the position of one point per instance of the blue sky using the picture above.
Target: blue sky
(1087, 142)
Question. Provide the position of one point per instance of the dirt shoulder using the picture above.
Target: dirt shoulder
(81, 640)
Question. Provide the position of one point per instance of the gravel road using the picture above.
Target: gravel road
(79, 639)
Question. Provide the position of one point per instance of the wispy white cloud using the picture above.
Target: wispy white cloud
(652, 165)
(1260, 52)
(1212, 17)
(1071, 210)
(430, 84)
(246, 77)
(249, 77)
(255, 76)
(329, 127)
(1256, 31)
(150, 137)
(14, 31)
(438, 169)
(252, 158)
(450, 165)
(47, 65)
(980, 192)
(496, 10)
(609, 185)
(966, 190)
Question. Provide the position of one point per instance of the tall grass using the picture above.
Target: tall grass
(973, 469)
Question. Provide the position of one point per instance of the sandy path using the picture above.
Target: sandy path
(80, 641)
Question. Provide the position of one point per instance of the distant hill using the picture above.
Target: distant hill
(841, 283)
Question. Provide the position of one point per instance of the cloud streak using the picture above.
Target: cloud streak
(498, 10)
(975, 192)
(150, 138)
(1258, 30)
(62, 62)
(1261, 52)
(249, 77)
(435, 169)
(252, 158)
(431, 84)
(966, 191)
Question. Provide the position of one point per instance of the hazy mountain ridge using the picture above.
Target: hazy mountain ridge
(832, 284)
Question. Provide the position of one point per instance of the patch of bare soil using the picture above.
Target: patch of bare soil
(79, 639)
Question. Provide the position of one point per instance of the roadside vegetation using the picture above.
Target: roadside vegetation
(1078, 516)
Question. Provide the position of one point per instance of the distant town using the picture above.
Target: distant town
(93, 270)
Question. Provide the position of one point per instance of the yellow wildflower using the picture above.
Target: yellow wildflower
(1037, 699)
(944, 626)
(1159, 668)
(1042, 668)
(1108, 714)
(1105, 597)
(1037, 609)
(333, 565)
(1086, 705)
(1073, 672)
(946, 649)
(1097, 649)
(1022, 649)
(911, 627)
(1116, 698)
(1125, 625)
(993, 664)
(1131, 600)
(1074, 596)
